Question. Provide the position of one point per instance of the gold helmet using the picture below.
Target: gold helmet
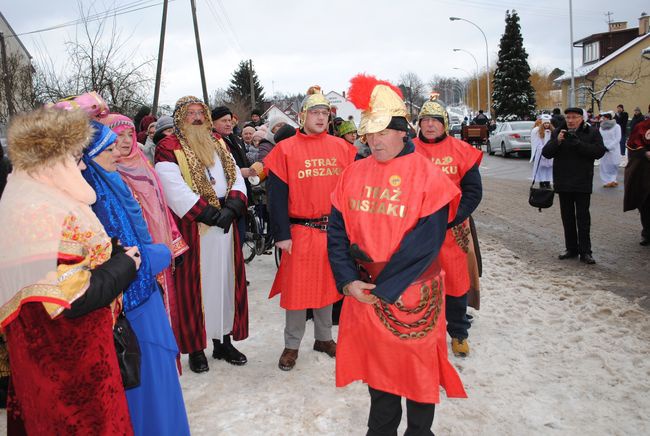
(313, 99)
(434, 108)
(381, 104)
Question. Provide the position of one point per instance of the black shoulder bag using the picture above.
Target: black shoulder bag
(128, 351)
(541, 198)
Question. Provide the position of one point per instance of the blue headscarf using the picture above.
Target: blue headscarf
(121, 216)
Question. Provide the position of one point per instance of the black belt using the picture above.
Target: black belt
(314, 223)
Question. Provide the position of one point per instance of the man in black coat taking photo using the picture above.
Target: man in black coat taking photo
(574, 146)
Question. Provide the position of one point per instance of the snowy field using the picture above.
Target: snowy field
(550, 355)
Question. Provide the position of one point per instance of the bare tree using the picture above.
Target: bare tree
(451, 90)
(19, 84)
(414, 90)
(598, 96)
(607, 82)
(97, 62)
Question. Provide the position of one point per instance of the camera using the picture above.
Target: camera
(571, 136)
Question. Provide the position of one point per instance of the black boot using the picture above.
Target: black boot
(225, 350)
(198, 362)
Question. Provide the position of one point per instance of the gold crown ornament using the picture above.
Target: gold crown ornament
(433, 108)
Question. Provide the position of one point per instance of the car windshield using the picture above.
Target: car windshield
(522, 125)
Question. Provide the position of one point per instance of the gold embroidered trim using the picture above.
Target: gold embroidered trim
(461, 235)
(72, 248)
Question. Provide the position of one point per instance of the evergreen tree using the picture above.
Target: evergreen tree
(513, 94)
(240, 87)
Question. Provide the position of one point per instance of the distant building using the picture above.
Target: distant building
(344, 108)
(617, 53)
(289, 116)
(16, 62)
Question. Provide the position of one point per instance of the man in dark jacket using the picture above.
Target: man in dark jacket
(574, 146)
(481, 119)
(622, 118)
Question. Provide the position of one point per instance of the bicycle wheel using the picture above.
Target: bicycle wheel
(260, 236)
(249, 249)
(278, 256)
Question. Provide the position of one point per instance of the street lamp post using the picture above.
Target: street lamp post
(572, 94)
(478, 86)
(487, 60)
(466, 92)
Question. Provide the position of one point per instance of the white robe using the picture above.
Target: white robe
(609, 163)
(545, 171)
(217, 247)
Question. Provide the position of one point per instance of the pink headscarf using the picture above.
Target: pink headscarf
(137, 173)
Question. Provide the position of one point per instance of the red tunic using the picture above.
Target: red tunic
(380, 204)
(310, 165)
(454, 157)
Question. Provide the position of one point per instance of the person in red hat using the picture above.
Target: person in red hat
(387, 225)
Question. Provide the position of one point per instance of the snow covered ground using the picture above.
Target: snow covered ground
(551, 355)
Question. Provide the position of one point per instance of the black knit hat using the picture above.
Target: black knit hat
(574, 110)
(256, 112)
(398, 123)
(284, 132)
(219, 112)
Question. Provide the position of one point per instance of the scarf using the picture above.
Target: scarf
(122, 218)
(143, 181)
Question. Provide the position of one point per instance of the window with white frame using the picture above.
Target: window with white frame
(591, 52)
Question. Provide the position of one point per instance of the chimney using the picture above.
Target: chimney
(617, 25)
(644, 24)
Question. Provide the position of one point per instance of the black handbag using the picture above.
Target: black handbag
(128, 352)
(541, 198)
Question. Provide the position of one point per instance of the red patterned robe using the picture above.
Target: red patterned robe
(197, 304)
(65, 375)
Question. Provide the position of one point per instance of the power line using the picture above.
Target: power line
(121, 10)
(224, 24)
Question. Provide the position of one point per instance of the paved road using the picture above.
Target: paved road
(623, 266)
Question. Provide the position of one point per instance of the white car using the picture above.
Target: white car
(511, 137)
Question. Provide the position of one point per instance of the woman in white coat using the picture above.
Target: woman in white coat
(539, 136)
(611, 133)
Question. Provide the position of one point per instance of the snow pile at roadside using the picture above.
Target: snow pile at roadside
(549, 355)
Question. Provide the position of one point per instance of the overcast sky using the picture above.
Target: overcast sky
(294, 44)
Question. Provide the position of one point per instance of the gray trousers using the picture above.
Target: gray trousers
(294, 328)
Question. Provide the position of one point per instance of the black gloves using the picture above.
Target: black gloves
(232, 209)
(209, 215)
(225, 219)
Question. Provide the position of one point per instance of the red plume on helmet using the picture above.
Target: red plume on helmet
(361, 87)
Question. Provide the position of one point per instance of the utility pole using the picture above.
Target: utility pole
(198, 52)
(161, 49)
(572, 91)
(250, 74)
(5, 77)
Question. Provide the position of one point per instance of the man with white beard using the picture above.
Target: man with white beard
(206, 191)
